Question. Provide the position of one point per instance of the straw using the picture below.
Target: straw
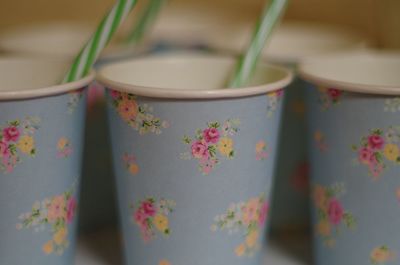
(263, 31)
(145, 21)
(92, 49)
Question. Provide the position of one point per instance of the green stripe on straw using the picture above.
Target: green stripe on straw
(145, 21)
(264, 27)
(106, 29)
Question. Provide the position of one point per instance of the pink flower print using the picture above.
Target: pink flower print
(334, 93)
(250, 211)
(115, 94)
(56, 209)
(211, 135)
(279, 92)
(335, 211)
(71, 208)
(11, 134)
(148, 208)
(200, 150)
(376, 169)
(4, 152)
(8, 164)
(139, 216)
(263, 214)
(364, 155)
(207, 165)
(376, 142)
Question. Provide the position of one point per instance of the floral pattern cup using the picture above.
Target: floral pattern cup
(218, 149)
(354, 151)
(40, 158)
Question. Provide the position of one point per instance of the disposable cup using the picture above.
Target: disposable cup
(353, 101)
(41, 139)
(64, 39)
(193, 162)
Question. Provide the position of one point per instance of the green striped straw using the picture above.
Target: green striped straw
(92, 49)
(145, 21)
(264, 27)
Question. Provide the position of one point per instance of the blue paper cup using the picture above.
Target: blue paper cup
(193, 162)
(293, 42)
(98, 201)
(41, 129)
(354, 149)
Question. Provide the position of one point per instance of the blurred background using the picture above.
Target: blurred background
(379, 20)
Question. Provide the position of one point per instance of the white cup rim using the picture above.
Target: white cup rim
(360, 72)
(42, 91)
(104, 78)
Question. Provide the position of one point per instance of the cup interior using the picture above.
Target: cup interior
(22, 74)
(22, 77)
(370, 71)
(188, 74)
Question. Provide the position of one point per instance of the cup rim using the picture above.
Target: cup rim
(357, 87)
(173, 93)
(344, 40)
(18, 39)
(43, 91)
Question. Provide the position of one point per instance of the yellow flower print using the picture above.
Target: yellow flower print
(381, 255)
(240, 250)
(60, 235)
(260, 146)
(164, 262)
(133, 169)
(26, 144)
(320, 197)
(62, 143)
(56, 209)
(248, 218)
(324, 228)
(391, 152)
(161, 223)
(331, 215)
(57, 213)
(225, 146)
(128, 109)
(48, 247)
(251, 239)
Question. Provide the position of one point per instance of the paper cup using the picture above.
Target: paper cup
(41, 138)
(353, 137)
(64, 40)
(193, 162)
(292, 42)
(98, 201)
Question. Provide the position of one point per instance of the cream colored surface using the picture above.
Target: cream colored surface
(56, 39)
(188, 75)
(293, 41)
(28, 78)
(377, 19)
(366, 72)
